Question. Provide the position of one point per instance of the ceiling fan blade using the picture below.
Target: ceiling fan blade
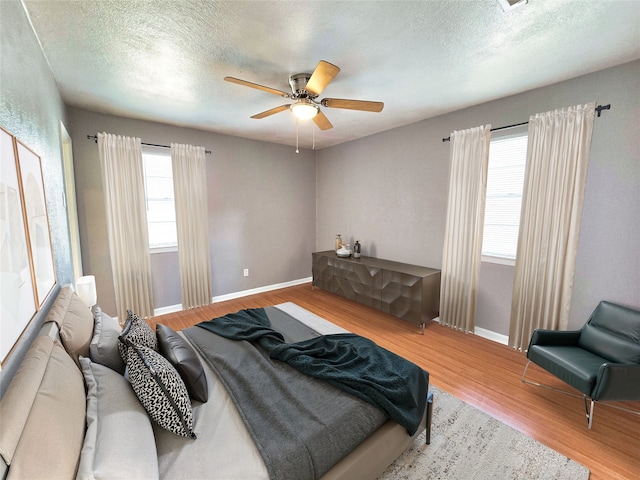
(321, 77)
(353, 104)
(279, 109)
(256, 86)
(322, 122)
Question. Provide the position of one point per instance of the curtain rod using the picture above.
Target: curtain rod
(95, 138)
(598, 109)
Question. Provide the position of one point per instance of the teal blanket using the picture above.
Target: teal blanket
(350, 362)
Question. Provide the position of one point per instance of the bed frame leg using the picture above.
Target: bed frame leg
(429, 416)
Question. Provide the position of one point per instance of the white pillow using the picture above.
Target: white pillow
(119, 441)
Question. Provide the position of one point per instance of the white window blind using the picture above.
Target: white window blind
(505, 180)
(161, 212)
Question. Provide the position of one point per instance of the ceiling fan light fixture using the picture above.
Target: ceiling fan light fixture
(304, 109)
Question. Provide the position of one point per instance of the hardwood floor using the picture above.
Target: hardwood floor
(480, 372)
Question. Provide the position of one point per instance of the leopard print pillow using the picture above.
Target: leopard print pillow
(160, 390)
(138, 332)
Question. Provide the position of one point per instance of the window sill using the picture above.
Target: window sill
(498, 260)
(169, 249)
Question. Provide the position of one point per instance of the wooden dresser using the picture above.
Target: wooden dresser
(409, 292)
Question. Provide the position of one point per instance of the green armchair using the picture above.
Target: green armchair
(601, 360)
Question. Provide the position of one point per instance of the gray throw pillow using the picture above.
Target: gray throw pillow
(119, 440)
(103, 348)
(185, 360)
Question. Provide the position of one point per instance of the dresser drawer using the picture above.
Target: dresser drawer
(357, 291)
(370, 276)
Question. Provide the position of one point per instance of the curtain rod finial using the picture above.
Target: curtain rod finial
(599, 108)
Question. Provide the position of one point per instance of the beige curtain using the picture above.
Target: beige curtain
(190, 185)
(123, 183)
(469, 160)
(555, 176)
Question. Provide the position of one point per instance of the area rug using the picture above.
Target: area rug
(469, 444)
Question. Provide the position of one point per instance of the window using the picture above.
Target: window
(505, 180)
(161, 212)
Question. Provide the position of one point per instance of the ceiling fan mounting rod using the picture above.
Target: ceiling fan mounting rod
(298, 83)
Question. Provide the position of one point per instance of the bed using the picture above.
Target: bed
(71, 412)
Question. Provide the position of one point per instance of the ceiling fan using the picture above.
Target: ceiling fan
(305, 90)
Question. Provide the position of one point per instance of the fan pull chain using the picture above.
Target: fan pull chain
(313, 130)
(297, 135)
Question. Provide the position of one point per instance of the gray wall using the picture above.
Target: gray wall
(390, 191)
(261, 204)
(31, 109)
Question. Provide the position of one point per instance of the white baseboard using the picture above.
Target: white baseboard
(253, 291)
(488, 334)
(231, 296)
(167, 309)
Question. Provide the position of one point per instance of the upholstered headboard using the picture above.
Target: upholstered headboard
(43, 409)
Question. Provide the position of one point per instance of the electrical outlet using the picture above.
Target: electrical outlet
(246, 272)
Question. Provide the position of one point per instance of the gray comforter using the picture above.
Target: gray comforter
(350, 362)
(300, 426)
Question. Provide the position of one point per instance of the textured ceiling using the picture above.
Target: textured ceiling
(165, 60)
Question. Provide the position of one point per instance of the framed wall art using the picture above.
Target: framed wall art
(17, 291)
(37, 220)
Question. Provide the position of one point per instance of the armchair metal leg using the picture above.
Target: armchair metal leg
(588, 410)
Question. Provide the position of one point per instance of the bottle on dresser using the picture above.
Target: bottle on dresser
(357, 248)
